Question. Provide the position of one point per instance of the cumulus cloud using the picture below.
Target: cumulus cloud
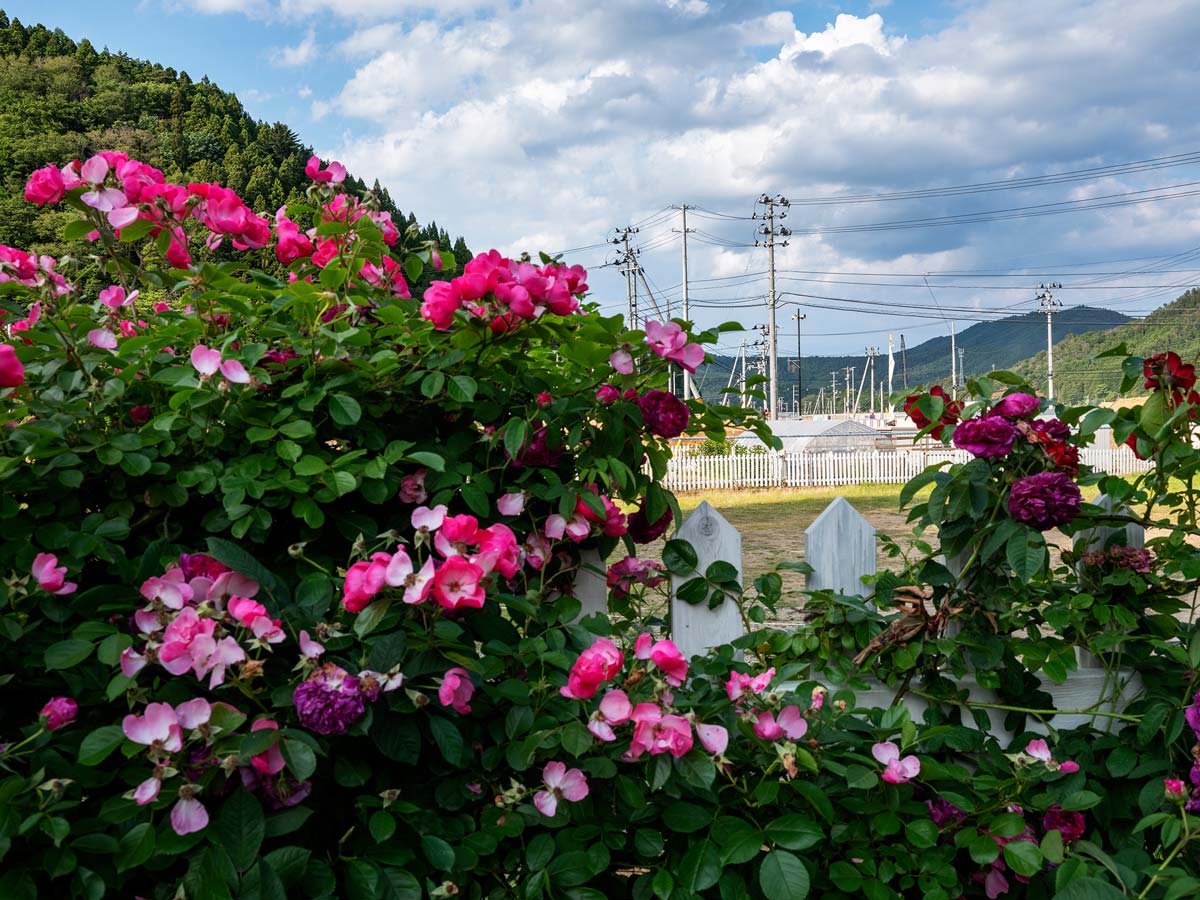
(300, 55)
(547, 122)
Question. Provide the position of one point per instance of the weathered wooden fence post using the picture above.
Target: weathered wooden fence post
(840, 546)
(696, 628)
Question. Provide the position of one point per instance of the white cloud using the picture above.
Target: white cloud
(548, 123)
(300, 55)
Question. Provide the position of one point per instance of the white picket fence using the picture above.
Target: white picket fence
(835, 468)
(841, 547)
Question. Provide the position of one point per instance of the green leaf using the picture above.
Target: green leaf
(685, 818)
(462, 388)
(448, 739)
(1089, 889)
(300, 758)
(243, 563)
(679, 557)
(740, 841)
(136, 230)
(1023, 857)
(97, 746)
(240, 828)
(783, 877)
(344, 409)
(700, 867)
(68, 653)
(403, 884)
(368, 620)
(921, 833)
(648, 843)
(795, 832)
(136, 846)
(1026, 552)
(860, 778)
(430, 460)
(381, 825)
(438, 852)
(432, 384)
(1052, 846)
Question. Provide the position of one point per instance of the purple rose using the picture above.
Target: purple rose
(944, 813)
(985, 437)
(330, 701)
(196, 565)
(1017, 406)
(1066, 822)
(1192, 714)
(1052, 429)
(664, 413)
(1045, 500)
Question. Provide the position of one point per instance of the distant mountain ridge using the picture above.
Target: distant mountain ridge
(987, 346)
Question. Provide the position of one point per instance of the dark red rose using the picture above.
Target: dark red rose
(643, 532)
(664, 414)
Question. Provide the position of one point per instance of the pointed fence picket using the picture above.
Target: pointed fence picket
(841, 548)
(835, 468)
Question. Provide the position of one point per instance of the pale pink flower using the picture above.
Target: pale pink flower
(235, 372)
(896, 770)
(50, 576)
(622, 361)
(188, 814)
(310, 648)
(193, 713)
(1039, 750)
(157, 728)
(658, 733)
(429, 519)
(714, 738)
(169, 589)
(511, 504)
(132, 662)
(740, 685)
(641, 647)
(147, 791)
(115, 297)
(204, 360)
(420, 583)
(790, 724)
(567, 784)
(102, 338)
(615, 709)
(456, 690)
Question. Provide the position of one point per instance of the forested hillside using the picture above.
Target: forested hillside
(61, 100)
(1079, 377)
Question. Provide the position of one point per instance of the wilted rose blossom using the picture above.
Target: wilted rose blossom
(1044, 500)
(986, 437)
(943, 812)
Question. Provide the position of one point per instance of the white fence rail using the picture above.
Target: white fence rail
(844, 467)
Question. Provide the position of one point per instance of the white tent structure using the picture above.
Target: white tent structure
(815, 435)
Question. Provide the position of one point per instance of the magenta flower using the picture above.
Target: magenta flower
(1044, 500)
(1174, 790)
(561, 783)
(943, 812)
(45, 186)
(456, 690)
(669, 341)
(1192, 714)
(740, 684)
(896, 770)
(615, 709)
(658, 733)
(59, 711)
(790, 724)
(50, 576)
(457, 584)
(114, 297)
(597, 664)
(12, 372)
(334, 174)
(363, 581)
(1016, 406)
(607, 395)
(986, 437)
(412, 488)
(270, 761)
(663, 413)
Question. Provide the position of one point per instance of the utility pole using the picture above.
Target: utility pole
(904, 362)
(771, 232)
(799, 317)
(627, 261)
(953, 370)
(684, 230)
(1048, 306)
(962, 371)
(849, 390)
(833, 395)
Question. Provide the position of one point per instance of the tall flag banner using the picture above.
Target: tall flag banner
(891, 371)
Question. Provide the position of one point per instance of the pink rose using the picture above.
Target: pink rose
(59, 711)
(12, 372)
(456, 690)
(50, 576)
(45, 186)
(595, 665)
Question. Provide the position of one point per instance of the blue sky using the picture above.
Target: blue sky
(527, 124)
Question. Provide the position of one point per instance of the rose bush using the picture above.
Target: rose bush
(287, 606)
